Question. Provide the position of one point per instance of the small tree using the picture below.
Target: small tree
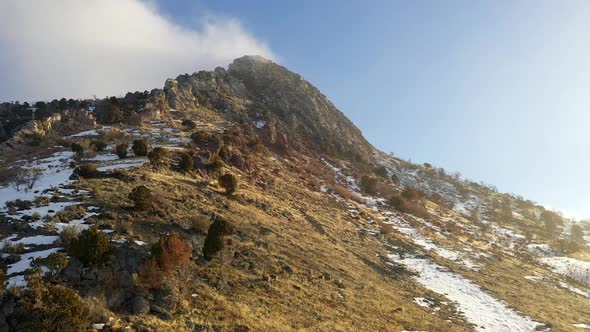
(186, 162)
(91, 247)
(229, 182)
(121, 150)
(142, 197)
(140, 147)
(214, 239)
(158, 156)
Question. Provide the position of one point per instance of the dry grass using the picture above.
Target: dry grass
(237, 290)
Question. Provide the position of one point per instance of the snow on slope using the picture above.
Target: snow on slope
(479, 307)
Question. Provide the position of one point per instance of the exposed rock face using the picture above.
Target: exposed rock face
(256, 89)
(34, 132)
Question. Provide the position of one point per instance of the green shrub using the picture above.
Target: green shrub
(87, 171)
(186, 162)
(121, 150)
(78, 149)
(395, 179)
(229, 182)
(140, 147)
(200, 137)
(158, 156)
(99, 145)
(91, 247)
(142, 197)
(214, 239)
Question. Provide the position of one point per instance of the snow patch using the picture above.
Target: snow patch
(480, 308)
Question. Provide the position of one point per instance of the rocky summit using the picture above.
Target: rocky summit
(242, 199)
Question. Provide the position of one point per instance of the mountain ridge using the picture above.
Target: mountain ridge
(316, 229)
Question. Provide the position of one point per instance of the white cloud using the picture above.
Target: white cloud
(71, 48)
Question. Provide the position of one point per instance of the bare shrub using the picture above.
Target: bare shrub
(68, 234)
(25, 179)
(346, 193)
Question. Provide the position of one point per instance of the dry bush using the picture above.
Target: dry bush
(112, 134)
(319, 170)
(413, 194)
(387, 229)
(121, 150)
(19, 204)
(69, 213)
(54, 308)
(87, 171)
(13, 248)
(369, 184)
(55, 263)
(201, 223)
(68, 234)
(345, 193)
(406, 206)
(169, 254)
(6, 174)
(150, 274)
(25, 178)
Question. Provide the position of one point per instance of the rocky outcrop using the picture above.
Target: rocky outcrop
(35, 132)
(256, 89)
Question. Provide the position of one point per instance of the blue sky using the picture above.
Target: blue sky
(497, 90)
(494, 89)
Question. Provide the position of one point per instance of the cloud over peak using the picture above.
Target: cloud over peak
(76, 49)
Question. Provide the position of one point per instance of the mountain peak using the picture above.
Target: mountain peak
(254, 88)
